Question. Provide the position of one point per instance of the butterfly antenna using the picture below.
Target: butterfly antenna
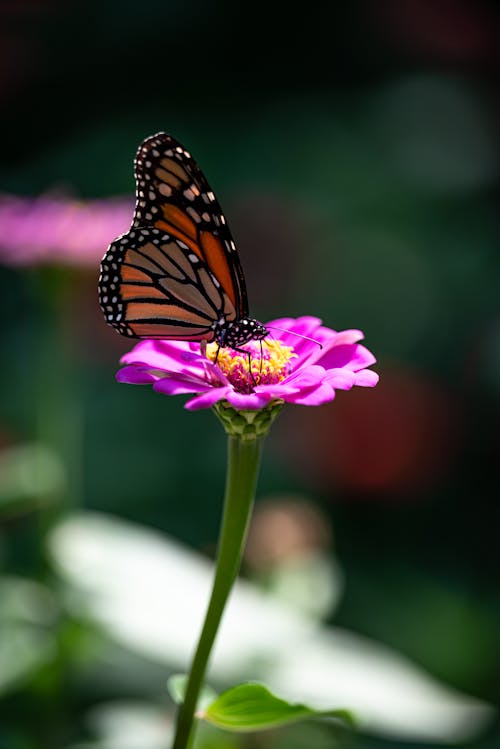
(299, 335)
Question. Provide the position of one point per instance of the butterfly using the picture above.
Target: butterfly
(176, 273)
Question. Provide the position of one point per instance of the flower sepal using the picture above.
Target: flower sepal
(245, 423)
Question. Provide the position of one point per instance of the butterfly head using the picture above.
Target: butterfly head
(238, 332)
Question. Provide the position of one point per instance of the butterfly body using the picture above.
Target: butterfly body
(176, 274)
(238, 332)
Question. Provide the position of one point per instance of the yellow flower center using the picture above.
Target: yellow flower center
(264, 362)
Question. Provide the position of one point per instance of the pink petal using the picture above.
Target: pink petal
(133, 375)
(340, 379)
(252, 401)
(207, 400)
(305, 325)
(167, 355)
(277, 392)
(348, 336)
(307, 376)
(313, 396)
(178, 385)
(366, 378)
(302, 326)
(352, 356)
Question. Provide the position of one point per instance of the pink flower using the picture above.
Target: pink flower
(288, 368)
(59, 230)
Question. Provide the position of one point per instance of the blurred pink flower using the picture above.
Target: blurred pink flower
(58, 230)
(289, 368)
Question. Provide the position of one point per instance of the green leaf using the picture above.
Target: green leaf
(252, 707)
(177, 684)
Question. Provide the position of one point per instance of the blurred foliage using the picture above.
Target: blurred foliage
(355, 151)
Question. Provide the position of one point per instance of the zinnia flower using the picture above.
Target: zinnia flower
(287, 368)
(59, 230)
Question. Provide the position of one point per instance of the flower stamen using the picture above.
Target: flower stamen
(264, 362)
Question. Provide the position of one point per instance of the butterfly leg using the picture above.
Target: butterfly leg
(248, 354)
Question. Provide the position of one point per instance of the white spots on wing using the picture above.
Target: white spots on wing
(151, 195)
(189, 194)
(232, 246)
(205, 216)
(149, 216)
(165, 189)
(148, 164)
(169, 152)
(182, 245)
(192, 257)
(222, 219)
(210, 196)
(155, 152)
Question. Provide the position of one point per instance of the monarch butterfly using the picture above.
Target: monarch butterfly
(176, 273)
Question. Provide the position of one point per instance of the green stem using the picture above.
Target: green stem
(241, 480)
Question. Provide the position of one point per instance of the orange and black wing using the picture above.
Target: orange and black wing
(153, 285)
(177, 271)
(174, 195)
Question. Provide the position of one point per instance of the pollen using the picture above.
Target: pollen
(264, 362)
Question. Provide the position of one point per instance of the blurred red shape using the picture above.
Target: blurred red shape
(396, 440)
(450, 29)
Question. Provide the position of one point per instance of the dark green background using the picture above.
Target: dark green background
(354, 149)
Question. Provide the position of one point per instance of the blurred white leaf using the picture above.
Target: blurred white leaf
(27, 609)
(151, 592)
(130, 725)
(312, 583)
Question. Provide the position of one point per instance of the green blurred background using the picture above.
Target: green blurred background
(354, 149)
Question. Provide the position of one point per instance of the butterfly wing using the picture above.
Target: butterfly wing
(177, 271)
(153, 285)
(173, 195)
